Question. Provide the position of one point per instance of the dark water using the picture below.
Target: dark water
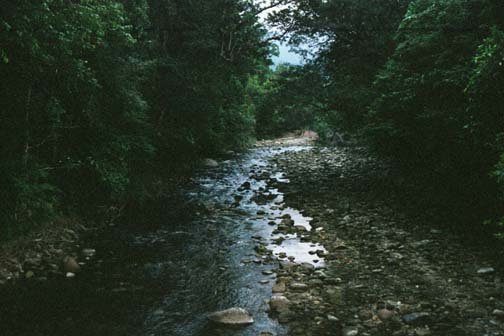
(164, 279)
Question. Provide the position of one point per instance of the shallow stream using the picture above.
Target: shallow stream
(164, 279)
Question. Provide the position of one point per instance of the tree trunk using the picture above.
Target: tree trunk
(26, 145)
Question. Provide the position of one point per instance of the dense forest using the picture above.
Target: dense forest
(422, 82)
(100, 98)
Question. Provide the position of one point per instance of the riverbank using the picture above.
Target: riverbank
(388, 272)
(310, 241)
(167, 268)
(40, 254)
(63, 247)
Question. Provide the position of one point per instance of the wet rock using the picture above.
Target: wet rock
(307, 266)
(279, 287)
(232, 316)
(210, 163)
(287, 222)
(286, 316)
(421, 243)
(385, 314)
(322, 253)
(335, 295)
(475, 312)
(159, 312)
(365, 314)
(298, 286)
(278, 303)
(70, 265)
(486, 270)
(282, 255)
(261, 249)
(300, 228)
(422, 332)
(340, 245)
(88, 252)
(352, 331)
(286, 264)
(245, 186)
(315, 283)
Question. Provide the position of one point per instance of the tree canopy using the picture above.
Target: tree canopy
(95, 95)
(98, 96)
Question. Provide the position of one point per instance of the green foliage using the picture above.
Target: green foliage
(353, 39)
(423, 80)
(289, 101)
(438, 107)
(422, 112)
(97, 94)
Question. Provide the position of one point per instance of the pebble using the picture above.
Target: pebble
(422, 332)
(350, 332)
(278, 303)
(365, 314)
(498, 313)
(88, 252)
(279, 287)
(385, 314)
(70, 265)
(486, 270)
(298, 286)
(332, 318)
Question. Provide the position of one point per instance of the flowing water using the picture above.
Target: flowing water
(164, 279)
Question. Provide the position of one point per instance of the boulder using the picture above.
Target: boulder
(278, 303)
(70, 265)
(298, 286)
(279, 287)
(210, 163)
(233, 317)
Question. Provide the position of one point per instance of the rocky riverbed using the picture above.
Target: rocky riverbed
(287, 239)
(386, 272)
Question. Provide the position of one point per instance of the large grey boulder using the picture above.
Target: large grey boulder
(232, 317)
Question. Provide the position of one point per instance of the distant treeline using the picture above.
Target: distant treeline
(422, 80)
(98, 96)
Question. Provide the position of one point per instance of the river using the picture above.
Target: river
(164, 278)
